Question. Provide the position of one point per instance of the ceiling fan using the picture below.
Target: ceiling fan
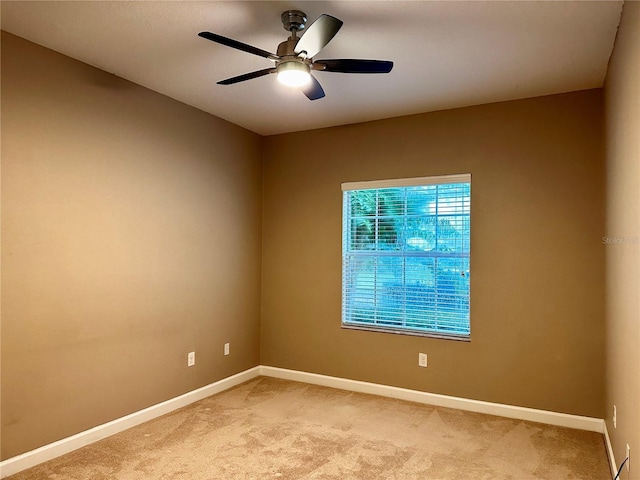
(294, 57)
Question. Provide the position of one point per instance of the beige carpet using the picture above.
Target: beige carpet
(276, 429)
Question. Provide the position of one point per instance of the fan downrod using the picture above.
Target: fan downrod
(293, 20)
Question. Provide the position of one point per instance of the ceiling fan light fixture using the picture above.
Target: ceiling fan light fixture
(294, 57)
(293, 73)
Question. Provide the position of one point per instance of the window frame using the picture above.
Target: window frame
(389, 184)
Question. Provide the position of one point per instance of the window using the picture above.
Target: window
(405, 255)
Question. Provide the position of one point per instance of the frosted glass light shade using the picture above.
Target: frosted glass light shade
(293, 74)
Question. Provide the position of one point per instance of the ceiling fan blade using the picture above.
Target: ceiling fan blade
(317, 35)
(247, 76)
(313, 90)
(346, 65)
(238, 45)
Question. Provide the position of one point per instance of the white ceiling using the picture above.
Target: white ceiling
(446, 54)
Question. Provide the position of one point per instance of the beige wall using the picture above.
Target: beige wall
(537, 260)
(131, 229)
(622, 100)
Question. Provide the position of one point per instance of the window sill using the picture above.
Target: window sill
(414, 333)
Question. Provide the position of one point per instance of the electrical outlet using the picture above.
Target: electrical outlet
(614, 417)
(422, 359)
(226, 349)
(191, 359)
(628, 457)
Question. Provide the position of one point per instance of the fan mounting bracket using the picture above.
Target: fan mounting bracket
(293, 20)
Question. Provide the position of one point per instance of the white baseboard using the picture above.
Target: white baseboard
(612, 459)
(69, 444)
(509, 411)
(47, 452)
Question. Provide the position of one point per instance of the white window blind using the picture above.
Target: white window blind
(405, 255)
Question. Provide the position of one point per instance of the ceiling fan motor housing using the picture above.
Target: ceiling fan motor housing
(286, 48)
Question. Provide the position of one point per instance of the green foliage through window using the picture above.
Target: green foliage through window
(406, 258)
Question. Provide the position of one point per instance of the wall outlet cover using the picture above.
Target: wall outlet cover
(422, 359)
